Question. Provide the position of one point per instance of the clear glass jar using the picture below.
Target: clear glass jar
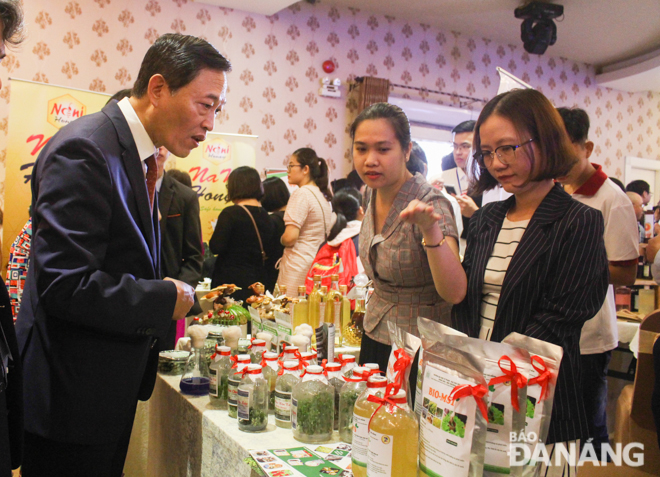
(312, 407)
(257, 349)
(362, 412)
(393, 425)
(219, 372)
(283, 389)
(270, 369)
(291, 352)
(253, 400)
(213, 339)
(349, 393)
(196, 378)
(307, 359)
(172, 363)
(335, 380)
(233, 381)
(347, 363)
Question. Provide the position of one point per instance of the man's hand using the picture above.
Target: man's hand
(185, 298)
(467, 205)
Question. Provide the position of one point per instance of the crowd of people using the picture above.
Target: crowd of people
(521, 233)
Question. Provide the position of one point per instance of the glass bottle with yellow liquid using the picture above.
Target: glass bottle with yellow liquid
(315, 303)
(301, 308)
(333, 308)
(362, 412)
(393, 425)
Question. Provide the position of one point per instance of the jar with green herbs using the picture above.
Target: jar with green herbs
(283, 389)
(213, 339)
(270, 369)
(335, 379)
(219, 373)
(172, 363)
(312, 407)
(256, 351)
(253, 400)
(233, 381)
(349, 393)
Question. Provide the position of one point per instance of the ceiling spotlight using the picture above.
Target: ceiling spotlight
(538, 31)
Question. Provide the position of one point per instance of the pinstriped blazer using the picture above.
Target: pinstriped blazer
(556, 281)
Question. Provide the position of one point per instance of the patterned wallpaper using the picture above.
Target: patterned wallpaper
(277, 64)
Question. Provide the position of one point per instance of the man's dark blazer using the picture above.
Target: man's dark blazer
(556, 281)
(93, 302)
(181, 255)
(11, 398)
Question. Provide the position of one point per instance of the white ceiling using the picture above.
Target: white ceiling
(598, 32)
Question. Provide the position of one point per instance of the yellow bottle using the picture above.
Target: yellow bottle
(301, 309)
(282, 290)
(323, 302)
(362, 412)
(393, 426)
(333, 308)
(315, 303)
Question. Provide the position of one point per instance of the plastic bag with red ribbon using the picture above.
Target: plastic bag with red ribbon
(404, 349)
(545, 360)
(506, 368)
(453, 423)
(432, 331)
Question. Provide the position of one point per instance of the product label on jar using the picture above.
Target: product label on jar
(243, 403)
(446, 426)
(294, 414)
(213, 386)
(360, 440)
(232, 390)
(380, 454)
(282, 406)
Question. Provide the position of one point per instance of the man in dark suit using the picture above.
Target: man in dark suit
(95, 304)
(11, 373)
(181, 235)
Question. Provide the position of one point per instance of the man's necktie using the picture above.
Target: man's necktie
(152, 177)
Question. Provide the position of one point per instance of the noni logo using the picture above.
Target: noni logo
(64, 109)
(216, 151)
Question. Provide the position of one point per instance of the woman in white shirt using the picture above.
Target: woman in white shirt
(308, 218)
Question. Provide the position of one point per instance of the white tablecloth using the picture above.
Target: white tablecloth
(182, 436)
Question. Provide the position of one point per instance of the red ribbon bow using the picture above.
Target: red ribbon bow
(343, 361)
(400, 365)
(243, 372)
(510, 375)
(389, 393)
(543, 379)
(478, 392)
(234, 359)
(215, 353)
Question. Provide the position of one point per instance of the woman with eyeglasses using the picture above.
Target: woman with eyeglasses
(536, 262)
(408, 240)
(308, 217)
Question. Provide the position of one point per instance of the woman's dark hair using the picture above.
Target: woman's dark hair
(276, 194)
(417, 161)
(354, 179)
(318, 169)
(119, 95)
(179, 59)
(618, 182)
(11, 16)
(534, 117)
(346, 204)
(180, 176)
(393, 114)
(244, 183)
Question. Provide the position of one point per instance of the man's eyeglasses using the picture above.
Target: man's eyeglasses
(505, 154)
(291, 166)
(465, 147)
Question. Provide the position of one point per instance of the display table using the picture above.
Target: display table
(179, 435)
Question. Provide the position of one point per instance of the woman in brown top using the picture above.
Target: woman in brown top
(408, 241)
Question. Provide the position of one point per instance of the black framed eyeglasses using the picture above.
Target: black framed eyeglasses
(505, 154)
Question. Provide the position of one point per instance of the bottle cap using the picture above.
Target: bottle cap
(254, 368)
(258, 342)
(270, 356)
(333, 367)
(224, 350)
(377, 382)
(314, 369)
(243, 358)
(290, 364)
(302, 289)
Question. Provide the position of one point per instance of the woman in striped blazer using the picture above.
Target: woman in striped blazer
(536, 262)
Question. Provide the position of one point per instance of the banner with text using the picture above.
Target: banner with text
(36, 112)
(209, 166)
